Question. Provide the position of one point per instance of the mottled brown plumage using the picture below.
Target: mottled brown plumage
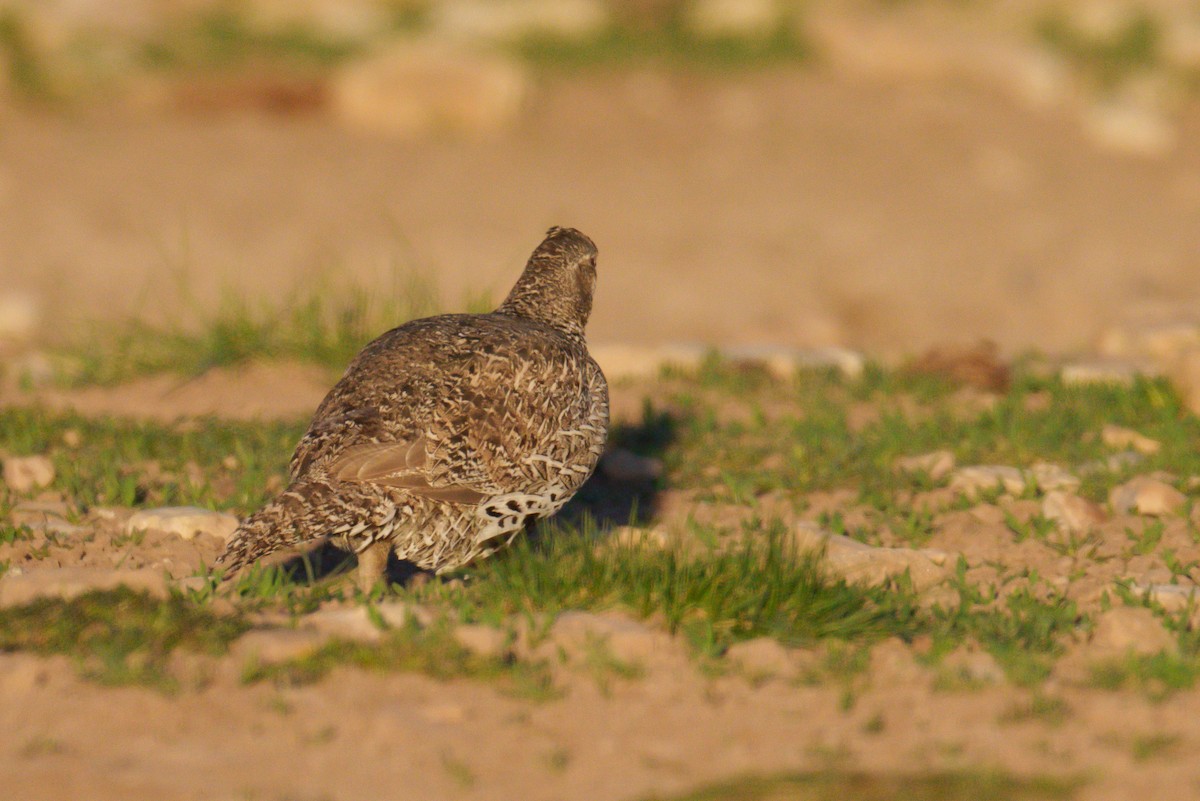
(447, 435)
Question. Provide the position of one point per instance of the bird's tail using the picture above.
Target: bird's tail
(283, 523)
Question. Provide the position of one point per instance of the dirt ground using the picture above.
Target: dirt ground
(791, 207)
(778, 207)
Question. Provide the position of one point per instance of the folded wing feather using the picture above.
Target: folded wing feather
(402, 465)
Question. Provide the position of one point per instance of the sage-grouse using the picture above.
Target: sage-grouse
(447, 435)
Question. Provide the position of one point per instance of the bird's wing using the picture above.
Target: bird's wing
(403, 465)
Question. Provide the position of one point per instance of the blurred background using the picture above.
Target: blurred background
(886, 175)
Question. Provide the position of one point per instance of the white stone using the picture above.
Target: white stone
(980, 478)
(481, 640)
(625, 466)
(1071, 513)
(274, 645)
(1172, 597)
(626, 639)
(936, 464)
(862, 563)
(739, 18)
(1135, 629)
(762, 655)
(20, 313)
(1146, 496)
(422, 87)
(68, 582)
(849, 363)
(1131, 127)
(26, 473)
(346, 623)
(1119, 372)
(511, 20)
(1116, 436)
(183, 521)
(344, 19)
(1050, 477)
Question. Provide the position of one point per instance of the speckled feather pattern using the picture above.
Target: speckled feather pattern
(447, 435)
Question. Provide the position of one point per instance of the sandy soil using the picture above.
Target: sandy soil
(791, 207)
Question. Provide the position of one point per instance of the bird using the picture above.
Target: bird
(448, 435)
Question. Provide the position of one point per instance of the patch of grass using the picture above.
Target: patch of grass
(1158, 676)
(432, 651)
(758, 586)
(323, 327)
(26, 72)
(132, 463)
(834, 785)
(670, 41)
(118, 636)
(1135, 45)
(1049, 709)
(1154, 746)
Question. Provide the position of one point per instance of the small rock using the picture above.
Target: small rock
(741, 18)
(184, 521)
(620, 361)
(625, 466)
(422, 87)
(1072, 513)
(1130, 125)
(981, 478)
(1146, 496)
(762, 655)
(1115, 436)
(857, 561)
(633, 537)
(72, 438)
(628, 640)
(50, 516)
(1050, 477)
(936, 465)
(1103, 371)
(850, 363)
(1125, 629)
(20, 313)
(26, 473)
(275, 645)
(346, 623)
(972, 663)
(1172, 597)
(68, 582)
(486, 641)
(512, 20)
(1113, 464)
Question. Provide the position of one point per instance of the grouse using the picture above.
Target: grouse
(448, 435)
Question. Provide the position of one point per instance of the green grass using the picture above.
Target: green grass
(432, 651)
(118, 636)
(1135, 46)
(320, 326)
(836, 785)
(670, 42)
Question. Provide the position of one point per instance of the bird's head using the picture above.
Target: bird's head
(557, 284)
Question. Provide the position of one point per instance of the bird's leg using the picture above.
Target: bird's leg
(372, 564)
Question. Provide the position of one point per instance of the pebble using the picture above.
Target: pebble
(740, 18)
(762, 655)
(511, 20)
(626, 466)
(418, 88)
(857, 561)
(1146, 496)
(981, 478)
(937, 464)
(1115, 436)
(275, 645)
(20, 313)
(1050, 477)
(627, 640)
(1072, 513)
(481, 640)
(26, 473)
(1103, 371)
(184, 521)
(633, 536)
(1126, 629)
(1172, 597)
(68, 582)
(49, 516)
